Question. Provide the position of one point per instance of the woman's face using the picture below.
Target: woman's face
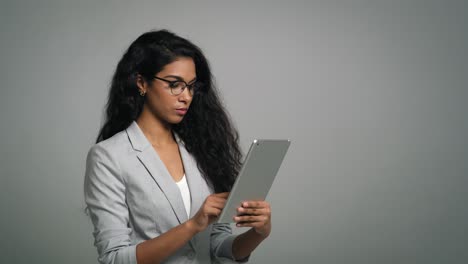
(162, 103)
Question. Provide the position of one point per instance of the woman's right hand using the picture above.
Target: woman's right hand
(209, 211)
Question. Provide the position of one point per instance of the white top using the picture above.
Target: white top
(185, 191)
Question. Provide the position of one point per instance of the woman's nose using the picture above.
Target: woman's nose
(185, 96)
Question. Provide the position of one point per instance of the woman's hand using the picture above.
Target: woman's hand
(256, 214)
(209, 211)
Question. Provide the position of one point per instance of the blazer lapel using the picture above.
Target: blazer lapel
(196, 184)
(194, 179)
(158, 171)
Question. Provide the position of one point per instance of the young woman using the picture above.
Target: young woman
(166, 157)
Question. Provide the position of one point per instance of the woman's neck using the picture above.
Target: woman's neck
(156, 131)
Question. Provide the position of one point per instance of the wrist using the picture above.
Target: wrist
(192, 226)
(263, 234)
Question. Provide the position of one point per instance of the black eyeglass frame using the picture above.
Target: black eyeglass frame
(192, 87)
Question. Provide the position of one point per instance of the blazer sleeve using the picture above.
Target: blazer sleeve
(221, 244)
(104, 192)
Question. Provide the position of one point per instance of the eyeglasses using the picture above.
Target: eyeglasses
(178, 87)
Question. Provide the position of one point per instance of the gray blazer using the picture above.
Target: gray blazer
(131, 197)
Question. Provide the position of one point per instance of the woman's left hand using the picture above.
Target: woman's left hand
(256, 214)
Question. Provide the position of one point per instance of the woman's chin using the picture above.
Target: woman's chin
(176, 120)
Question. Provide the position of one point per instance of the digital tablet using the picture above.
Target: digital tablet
(256, 176)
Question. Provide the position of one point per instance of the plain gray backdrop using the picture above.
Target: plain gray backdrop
(373, 95)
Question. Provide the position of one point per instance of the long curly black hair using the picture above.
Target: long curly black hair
(206, 129)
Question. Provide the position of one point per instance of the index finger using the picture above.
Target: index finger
(257, 204)
(222, 195)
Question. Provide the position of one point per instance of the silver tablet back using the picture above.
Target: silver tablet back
(256, 176)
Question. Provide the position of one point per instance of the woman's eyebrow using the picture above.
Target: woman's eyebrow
(180, 78)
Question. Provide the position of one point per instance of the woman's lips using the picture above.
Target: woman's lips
(181, 111)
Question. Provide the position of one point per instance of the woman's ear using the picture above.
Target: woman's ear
(141, 83)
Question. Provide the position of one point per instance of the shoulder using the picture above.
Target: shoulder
(111, 148)
(104, 161)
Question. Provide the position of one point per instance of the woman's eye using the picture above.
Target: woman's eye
(174, 84)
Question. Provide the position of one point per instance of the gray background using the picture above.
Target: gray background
(371, 93)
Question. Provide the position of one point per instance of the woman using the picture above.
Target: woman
(164, 161)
